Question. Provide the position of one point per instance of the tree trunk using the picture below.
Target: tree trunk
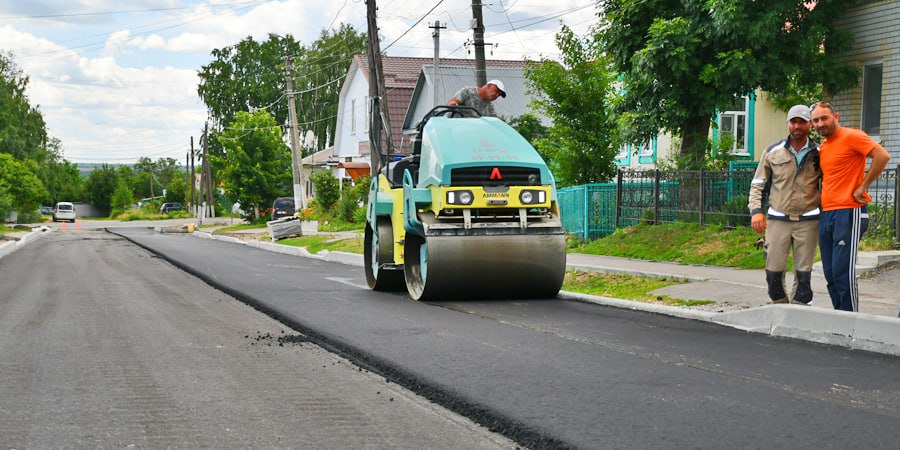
(694, 142)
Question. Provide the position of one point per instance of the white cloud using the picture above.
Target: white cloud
(119, 86)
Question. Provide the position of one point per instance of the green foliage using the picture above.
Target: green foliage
(530, 127)
(122, 198)
(22, 128)
(576, 94)
(100, 186)
(256, 167)
(20, 189)
(327, 189)
(681, 61)
(253, 73)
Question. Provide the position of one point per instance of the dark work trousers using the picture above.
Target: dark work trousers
(839, 233)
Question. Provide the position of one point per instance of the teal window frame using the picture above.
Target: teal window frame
(750, 131)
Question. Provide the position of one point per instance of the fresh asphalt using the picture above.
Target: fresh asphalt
(559, 373)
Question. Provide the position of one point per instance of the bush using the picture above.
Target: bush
(327, 190)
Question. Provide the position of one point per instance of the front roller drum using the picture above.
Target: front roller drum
(480, 267)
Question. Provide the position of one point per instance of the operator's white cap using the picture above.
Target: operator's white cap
(799, 111)
(499, 85)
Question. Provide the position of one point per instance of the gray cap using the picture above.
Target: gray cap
(801, 111)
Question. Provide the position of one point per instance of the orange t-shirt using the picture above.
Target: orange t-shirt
(843, 161)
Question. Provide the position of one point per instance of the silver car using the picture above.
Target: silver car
(64, 211)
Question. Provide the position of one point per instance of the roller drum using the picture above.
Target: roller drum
(477, 267)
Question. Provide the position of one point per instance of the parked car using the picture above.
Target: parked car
(283, 207)
(46, 210)
(64, 211)
(166, 208)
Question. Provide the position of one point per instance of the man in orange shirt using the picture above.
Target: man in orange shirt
(845, 182)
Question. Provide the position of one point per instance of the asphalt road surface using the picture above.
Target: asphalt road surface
(553, 373)
(104, 345)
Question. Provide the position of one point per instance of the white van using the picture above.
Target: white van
(64, 211)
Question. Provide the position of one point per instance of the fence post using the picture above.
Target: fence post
(618, 198)
(656, 194)
(586, 219)
(702, 198)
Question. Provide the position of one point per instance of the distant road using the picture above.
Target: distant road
(554, 373)
(104, 345)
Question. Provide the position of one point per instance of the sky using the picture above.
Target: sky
(117, 80)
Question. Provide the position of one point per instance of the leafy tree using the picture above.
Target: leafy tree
(60, 177)
(581, 143)
(122, 198)
(327, 189)
(100, 186)
(176, 190)
(680, 61)
(22, 128)
(530, 127)
(256, 166)
(20, 189)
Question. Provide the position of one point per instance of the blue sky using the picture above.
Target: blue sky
(117, 80)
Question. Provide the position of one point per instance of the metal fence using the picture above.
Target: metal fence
(706, 197)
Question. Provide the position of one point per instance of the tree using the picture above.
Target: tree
(256, 167)
(680, 61)
(100, 186)
(22, 128)
(20, 188)
(576, 95)
(122, 198)
(327, 189)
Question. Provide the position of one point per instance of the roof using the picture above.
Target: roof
(401, 75)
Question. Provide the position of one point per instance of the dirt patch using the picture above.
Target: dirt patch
(885, 273)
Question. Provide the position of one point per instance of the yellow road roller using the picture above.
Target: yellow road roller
(471, 213)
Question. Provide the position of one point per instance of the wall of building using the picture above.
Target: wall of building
(876, 37)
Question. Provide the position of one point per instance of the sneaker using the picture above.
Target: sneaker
(796, 302)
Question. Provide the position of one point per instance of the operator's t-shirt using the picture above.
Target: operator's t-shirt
(468, 96)
(843, 161)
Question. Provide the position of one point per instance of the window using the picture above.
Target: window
(623, 158)
(367, 117)
(871, 99)
(733, 123)
(353, 116)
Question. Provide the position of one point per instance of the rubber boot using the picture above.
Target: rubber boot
(775, 280)
(804, 292)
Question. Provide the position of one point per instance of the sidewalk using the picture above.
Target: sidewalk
(735, 289)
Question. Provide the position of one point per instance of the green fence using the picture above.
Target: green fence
(700, 196)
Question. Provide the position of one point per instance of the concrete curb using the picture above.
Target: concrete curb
(858, 331)
(350, 259)
(8, 247)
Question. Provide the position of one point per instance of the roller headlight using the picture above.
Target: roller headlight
(460, 197)
(529, 197)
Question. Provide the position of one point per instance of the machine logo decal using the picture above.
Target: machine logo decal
(495, 174)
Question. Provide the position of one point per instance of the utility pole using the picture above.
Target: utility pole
(480, 70)
(299, 196)
(375, 90)
(190, 166)
(436, 34)
(209, 178)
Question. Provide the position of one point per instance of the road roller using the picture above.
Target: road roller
(470, 213)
